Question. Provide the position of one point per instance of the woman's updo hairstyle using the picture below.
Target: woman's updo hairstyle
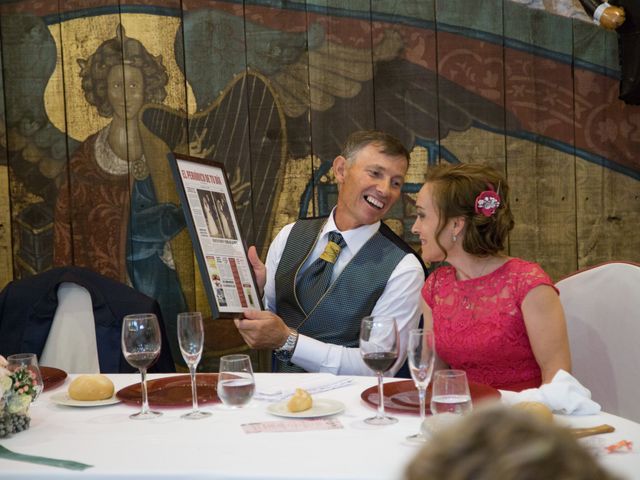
(456, 189)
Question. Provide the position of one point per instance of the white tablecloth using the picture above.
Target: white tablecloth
(218, 448)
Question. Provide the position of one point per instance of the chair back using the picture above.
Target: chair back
(29, 306)
(602, 308)
(71, 344)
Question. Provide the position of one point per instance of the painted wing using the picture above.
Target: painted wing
(243, 129)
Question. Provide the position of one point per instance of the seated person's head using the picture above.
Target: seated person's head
(370, 173)
(453, 197)
(499, 443)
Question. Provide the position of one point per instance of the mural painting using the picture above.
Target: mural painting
(96, 98)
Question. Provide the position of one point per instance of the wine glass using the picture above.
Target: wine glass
(235, 380)
(421, 354)
(28, 362)
(379, 350)
(450, 392)
(141, 347)
(191, 340)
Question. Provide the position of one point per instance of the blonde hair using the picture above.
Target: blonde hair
(506, 444)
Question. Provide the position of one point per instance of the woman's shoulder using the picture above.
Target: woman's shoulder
(526, 275)
(520, 265)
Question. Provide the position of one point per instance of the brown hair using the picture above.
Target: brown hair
(506, 444)
(121, 50)
(387, 144)
(455, 190)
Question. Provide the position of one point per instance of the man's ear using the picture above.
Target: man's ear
(339, 168)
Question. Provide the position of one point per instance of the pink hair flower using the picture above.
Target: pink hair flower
(487, 203)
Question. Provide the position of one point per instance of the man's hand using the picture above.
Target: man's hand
(262, 329)
(258, 268)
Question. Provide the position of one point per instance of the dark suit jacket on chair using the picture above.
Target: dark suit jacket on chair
(27, 308)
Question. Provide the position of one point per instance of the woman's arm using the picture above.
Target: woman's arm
(427, 321)
(547, 330)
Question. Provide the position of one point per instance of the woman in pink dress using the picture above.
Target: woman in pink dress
(498, 318)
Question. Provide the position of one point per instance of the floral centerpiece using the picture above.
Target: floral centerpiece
(16, 391)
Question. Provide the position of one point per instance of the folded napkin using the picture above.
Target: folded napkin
(52, 462)
(564, 395)
(288, 387)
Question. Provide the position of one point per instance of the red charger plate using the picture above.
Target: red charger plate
(402, 397)
(173, 391)
(52, 377)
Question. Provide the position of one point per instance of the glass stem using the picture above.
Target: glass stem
(422, 395)
(194, 387)
(145, 400)
(381, 396)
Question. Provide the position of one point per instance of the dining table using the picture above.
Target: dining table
(252, 442)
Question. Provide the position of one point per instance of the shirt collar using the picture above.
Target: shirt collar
(354, 238)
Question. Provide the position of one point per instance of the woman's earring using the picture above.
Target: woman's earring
(454, 238)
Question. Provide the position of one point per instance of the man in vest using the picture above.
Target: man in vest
(322, 275)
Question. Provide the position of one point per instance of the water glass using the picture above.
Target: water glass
(191, 340)
(450, 393)
(379, 349)
(421, 355)
(27, 362)
(141, 343)
(235, 380)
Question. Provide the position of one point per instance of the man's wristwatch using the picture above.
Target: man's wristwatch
(285, 352)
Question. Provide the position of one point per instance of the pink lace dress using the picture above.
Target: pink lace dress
(478, 323)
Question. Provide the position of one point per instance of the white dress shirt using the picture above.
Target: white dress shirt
(400, 299)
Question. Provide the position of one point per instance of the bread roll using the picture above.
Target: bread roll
(91, 387)
(537, 409)
(300, 401)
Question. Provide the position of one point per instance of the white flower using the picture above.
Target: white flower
(19, 404)
(3, 362)
(5, 383)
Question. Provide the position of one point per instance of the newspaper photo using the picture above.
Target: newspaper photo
(208, 206)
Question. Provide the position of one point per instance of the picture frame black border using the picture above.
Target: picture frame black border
(173, 158)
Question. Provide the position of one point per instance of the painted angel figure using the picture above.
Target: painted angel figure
(113, 215)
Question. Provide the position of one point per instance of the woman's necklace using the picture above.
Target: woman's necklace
(465, 276)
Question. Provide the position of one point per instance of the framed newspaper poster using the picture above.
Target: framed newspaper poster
(211, 218)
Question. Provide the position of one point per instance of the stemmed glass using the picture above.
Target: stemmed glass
(27, 362)
(421, 354)
(191, 340)
(235, 380)
(379, 350)
(141, 347)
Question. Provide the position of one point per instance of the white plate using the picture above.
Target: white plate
(322, 407)
(62, 398)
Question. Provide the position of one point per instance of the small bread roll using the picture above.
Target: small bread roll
(537, 409)
(91, 387)
(300, 401)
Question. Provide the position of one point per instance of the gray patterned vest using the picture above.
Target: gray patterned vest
(336, 317)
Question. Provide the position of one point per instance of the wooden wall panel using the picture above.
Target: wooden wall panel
(542, 180)
(6, 250)
(34, 158)
(607, 202)
(341, 88)
(277, 89)
(405, 94)
(463, 65)
(566, 146)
